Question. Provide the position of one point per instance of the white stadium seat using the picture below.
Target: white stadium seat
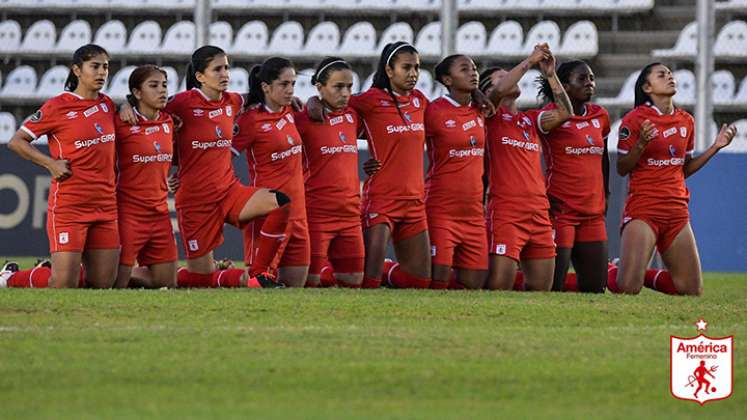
(507, 39)
(425, 83)
(741, 97)
(732, 40)
(476, 5)
(112, 36)
(287, 39)
(396, 32)
(145, 38)
(10, 36)
(471, 38)
(179, 38)
(428, 41)
(239, 81)
(686, 45)
(119, 86)
(75, 34)
(739, 143)
(40, 37)
(545, 31)
(251, 38)
(359, 40)
(304, 89)
(722, 86)
(172, 79)
(7, 126)
(623, 5)
(367, 83)
(438, 90)
(580, 40)
(323, 39)
(425, 5)
(221, 35)
(529, 88)
(52, 82)
(626, 96)
(732, 5)
(20, 83)
(685, 87)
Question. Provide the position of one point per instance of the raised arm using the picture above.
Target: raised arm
(723, 139)
(503, 86)
(554, 118)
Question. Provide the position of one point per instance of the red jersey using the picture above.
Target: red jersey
(656, 185)
(273, 150)
(573, 157)
(513, 160)
(144, 153)
(455, 135)
(80, 131)
(330, 167)
(395, 140)
(203, 145)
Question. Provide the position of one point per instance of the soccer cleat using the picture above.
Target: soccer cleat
(43, 262)
(224, 264)
(268, 281)
(9, 268)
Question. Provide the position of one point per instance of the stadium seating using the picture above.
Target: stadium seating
(741, 97)
(626, 97)
(399, 31)
(739, 144)
(545, 31)
(507, 39)
(40, 37)
(580, 40)
(323, 39)
(10, 36)
(360, 40)
(52, 82)
(428, 41)
(471, 38)
(179, 39)
(732, 40)
(685, 87)
(221, 35)
(425, 83)
(145, 38)
(304, 89)
(112, 36)
(75, 34)
(367, 83)
(7, 126)
(20, 83)
(119, 86)
(723, 85)
(253, 36)
(529, 88)
(287, 39)
(732, 5)
(239, 81)
(686, 45)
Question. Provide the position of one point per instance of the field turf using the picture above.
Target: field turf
(85, 354)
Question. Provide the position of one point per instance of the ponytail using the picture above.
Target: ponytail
(80, 56)
(199, 62)
(268, 72)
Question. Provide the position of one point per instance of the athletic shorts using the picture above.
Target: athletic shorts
(520, 236)
(459, 244)
(405, 218)
(665, 229)
(67, 233)
(201, 227)
(571, 227)
(146, 239)
(294, 251)
(343, 248)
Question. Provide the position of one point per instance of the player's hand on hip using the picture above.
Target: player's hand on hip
(60, 169)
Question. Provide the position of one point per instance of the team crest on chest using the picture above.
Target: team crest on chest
(416, 102)
(472, 141)
(104, 107)
(218, 132)
(98, 128)
(683, 131)
(595, 122)
(229, 110)
(342, 137)
(349, 118)
(166, 128)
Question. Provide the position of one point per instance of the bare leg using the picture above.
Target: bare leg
(683, 262)
(101, 267)
(562, 262)
(502, 273)
(638, 242)
(538, 274)
(376, 239)
(414, 255)
(293, 276)
(65, 269)
(590, 262)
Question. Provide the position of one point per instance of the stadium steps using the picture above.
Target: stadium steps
(630, 42)
(620, 65)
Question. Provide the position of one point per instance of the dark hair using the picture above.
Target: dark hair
(388, 57)
(138, 77)
(326, 67)
(642, 97)
(199, 62)
(485, 82)
(80, 56)
(442, 69)
(266, 72)
(564, 73)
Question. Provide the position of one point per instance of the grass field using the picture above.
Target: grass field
(356, 354)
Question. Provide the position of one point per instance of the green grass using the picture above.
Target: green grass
(364, 354)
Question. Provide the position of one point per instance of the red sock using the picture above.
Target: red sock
(612, 278)
(227, 278)
(37, 278)
(454, 284)
(400, 279)
(271, 236)
(371, 283)
(439, 285)
(519, 281)
(388, 266)
(660, 280)
(186, 278)
(349, 286)
(327, 276)
(571, 284)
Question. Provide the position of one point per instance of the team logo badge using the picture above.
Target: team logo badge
(384, 103)
(500, 249)
(198, 112)
(63, 238)
(342, 137)
(135, 129)
(165, 128)
(236, 130)
(672, 151)
(683, 131)
(193, 245)
(450, 123)
(72, 115)
(157, 146)
(416, 102)
(349, 117)
(701, 367)
(98, 128)
(104, 107)
(36, 116)
(290, 140)
(472, 141)
(590, 139)
(229, 110)
(595, 123)
(218, 132)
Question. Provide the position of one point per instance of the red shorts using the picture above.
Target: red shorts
(665, 229)
(519, 236)
(201, 227)
(147, 239)
(295, 250)
(343, 248)
(572, 227)
(459, 244)
(405, 218)
(76, 233)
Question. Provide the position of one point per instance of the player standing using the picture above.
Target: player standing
(656, 145)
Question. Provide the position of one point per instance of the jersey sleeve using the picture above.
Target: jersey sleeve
(690, 136)
(174, 104)
(534, 116)
(431, 121)
(243, 132)
(43, 121)
(629, 134)
(360, 103)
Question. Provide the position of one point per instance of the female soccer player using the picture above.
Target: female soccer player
(209, 193)
(519, 228)
(332, 182)
(455, 135)
(577, 180)
(267, 131)
(82, 209)
(656, 143)
(144, 154)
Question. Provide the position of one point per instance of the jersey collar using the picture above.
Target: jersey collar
(658, 111)
(455, 103)
(206, 97)
(144, 118)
